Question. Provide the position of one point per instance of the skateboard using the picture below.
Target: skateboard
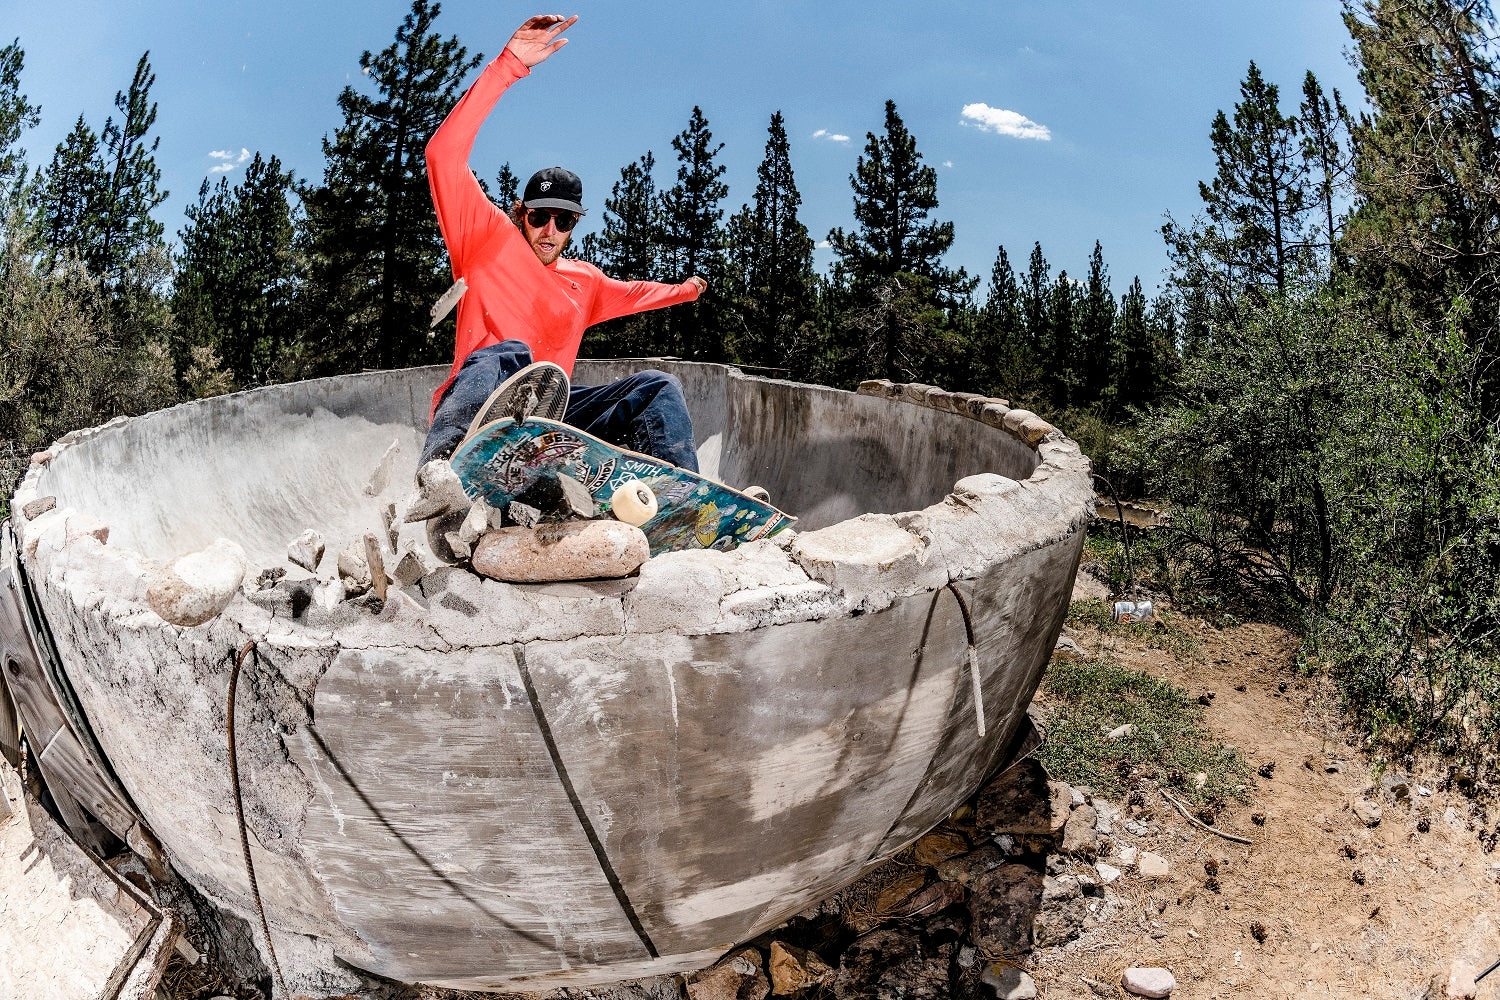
(505, 459)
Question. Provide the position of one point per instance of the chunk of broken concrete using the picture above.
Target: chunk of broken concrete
(36, 508)
(1148, 982)
(456, 545)
(869, 557)
(410, 568)
(306, 550)
(523, 514)
(572, 550)
(195, 587)
(480, 518)
(285, 598)
(559, 498)
(382, 474)
(439, 492)
(354, 568)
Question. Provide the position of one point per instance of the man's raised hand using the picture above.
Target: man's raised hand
(537, 38)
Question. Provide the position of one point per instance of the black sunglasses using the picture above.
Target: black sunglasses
(537, 218)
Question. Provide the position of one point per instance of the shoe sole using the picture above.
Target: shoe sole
(550, 383)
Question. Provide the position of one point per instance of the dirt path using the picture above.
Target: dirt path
(1345, 909)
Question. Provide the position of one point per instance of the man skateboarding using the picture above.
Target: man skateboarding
(526, 306)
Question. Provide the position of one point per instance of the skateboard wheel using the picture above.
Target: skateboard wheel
(633, 502)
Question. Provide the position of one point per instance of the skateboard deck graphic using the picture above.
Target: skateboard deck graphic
(504, 459)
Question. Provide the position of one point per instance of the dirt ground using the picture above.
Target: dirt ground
(1319, 904)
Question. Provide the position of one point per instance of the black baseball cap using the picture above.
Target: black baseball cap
(554, 187)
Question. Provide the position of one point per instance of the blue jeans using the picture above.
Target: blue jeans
(644, 411)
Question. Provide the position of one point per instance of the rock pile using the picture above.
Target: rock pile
(1020, 867)
(550, 533)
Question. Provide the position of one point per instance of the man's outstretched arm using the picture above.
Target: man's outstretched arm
(466, 216)
(624, 298)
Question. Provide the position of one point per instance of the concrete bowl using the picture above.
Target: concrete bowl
(479, 785)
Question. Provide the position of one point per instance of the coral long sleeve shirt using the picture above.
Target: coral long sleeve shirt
(511, 294)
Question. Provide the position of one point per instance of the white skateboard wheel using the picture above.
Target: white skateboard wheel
(633, 502)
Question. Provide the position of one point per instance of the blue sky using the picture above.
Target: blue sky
(1086, 119)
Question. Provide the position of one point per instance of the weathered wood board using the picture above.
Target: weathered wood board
(69, 928)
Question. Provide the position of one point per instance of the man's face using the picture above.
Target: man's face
(547, 242)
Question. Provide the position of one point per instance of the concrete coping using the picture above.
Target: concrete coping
(862, 563)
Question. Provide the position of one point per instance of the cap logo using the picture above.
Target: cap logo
(546, 186)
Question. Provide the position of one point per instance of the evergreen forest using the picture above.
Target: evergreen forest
(1314, 391)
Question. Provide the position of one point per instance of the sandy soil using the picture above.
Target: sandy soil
(1344, 909)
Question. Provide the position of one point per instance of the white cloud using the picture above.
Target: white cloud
(1003, 122)
(228, 159)
(824, 245)
(948, 164)
(823, 133)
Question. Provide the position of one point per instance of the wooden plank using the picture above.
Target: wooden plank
(10, 725)
(65, 766)
(39, 712)
(70, 929)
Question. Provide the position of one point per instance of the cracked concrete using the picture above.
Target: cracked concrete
(482, 785)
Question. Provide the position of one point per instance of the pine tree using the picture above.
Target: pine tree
(1258, 196)
(1329, 156)
(129, 190)
(773, 265)
(1003, 360)
(626, 248)
(1096, 320)
(203, 265)
(1428, 160)
(1062, 357)
(377, 254)
(99, 191)
(893, 196)
(693, 239)
(1139, 354)
(507, 187)
(16, 116)
(72, 195)
(238, 276)
(1034, 301)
